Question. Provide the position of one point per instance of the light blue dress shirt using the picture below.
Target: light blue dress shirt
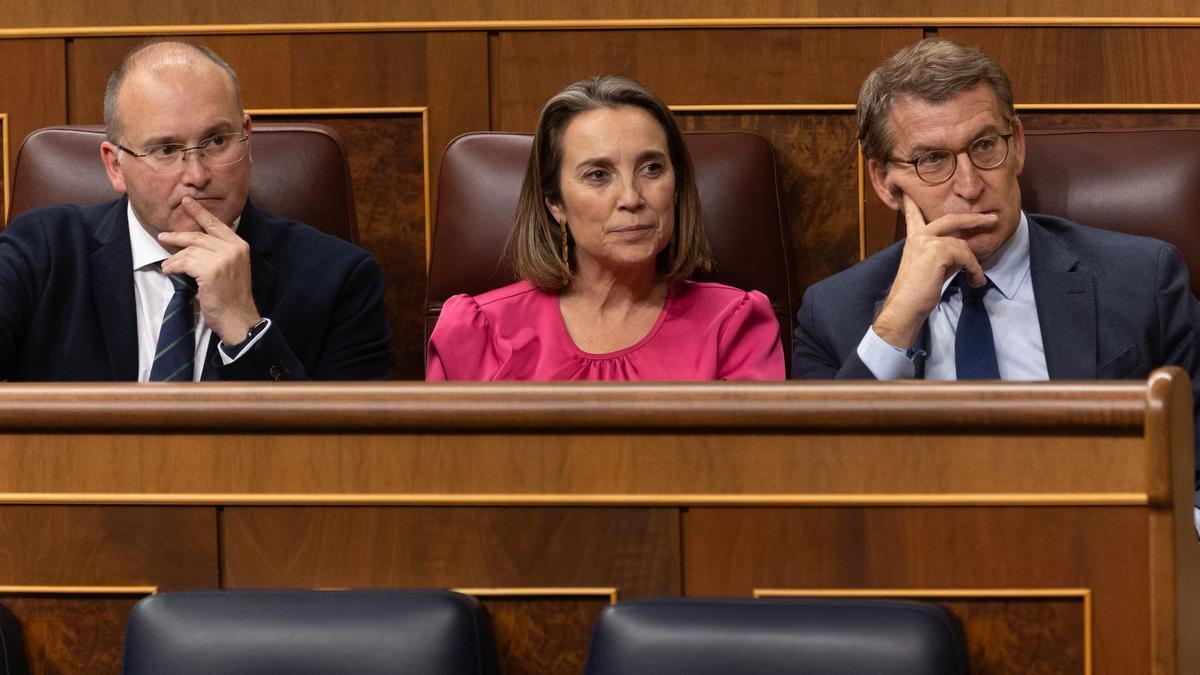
(1011, 308)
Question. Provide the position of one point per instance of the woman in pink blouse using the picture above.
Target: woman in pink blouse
(608, 232)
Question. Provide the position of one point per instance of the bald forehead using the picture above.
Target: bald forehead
(171, 59)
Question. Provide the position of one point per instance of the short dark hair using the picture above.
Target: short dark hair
(932, 70)
(533, 249)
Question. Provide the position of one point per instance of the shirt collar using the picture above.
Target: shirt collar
(146, 249)
(1010, 265)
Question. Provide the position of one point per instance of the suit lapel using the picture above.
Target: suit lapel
(257, 234)
(1066, 307)
(111, 269)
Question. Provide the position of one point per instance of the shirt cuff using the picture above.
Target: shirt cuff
(883, 360)
(226, 359)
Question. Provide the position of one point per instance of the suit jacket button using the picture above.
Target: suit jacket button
(276, 373)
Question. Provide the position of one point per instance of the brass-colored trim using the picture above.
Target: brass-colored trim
(425, 170)
(862, 204)
(397, 110)
(599, 24)
(1106, 107)
(1084, 594)
(4, 151)
(765, 107)
(610, 593)
(423, 111)
(544, 499)
(78, 590)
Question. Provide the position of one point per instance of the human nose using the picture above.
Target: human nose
(194, 169)
(631, 194)
(967, 181)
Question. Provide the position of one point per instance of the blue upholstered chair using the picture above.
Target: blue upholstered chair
(237, 632)
(12, 647)
(766, 637)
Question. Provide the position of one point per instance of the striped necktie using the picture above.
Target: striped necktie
(174, 359)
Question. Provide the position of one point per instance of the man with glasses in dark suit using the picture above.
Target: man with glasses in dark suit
(979, 289)
(183, 279)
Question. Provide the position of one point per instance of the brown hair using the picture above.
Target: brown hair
(931, 70)
(534, 247)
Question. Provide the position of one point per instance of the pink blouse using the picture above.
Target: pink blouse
(705, 331)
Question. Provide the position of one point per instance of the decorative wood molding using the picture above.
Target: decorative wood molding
(608, 593)
(1082, 594)
(423, 111)
(601, 24)
(4, 151)
(998, 499)
(78, 590)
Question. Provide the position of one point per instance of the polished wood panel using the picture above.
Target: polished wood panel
(385, 152)
(72, 633)
(772, 66)
(543, 635)
(457, 95)
(817, 159)
(76, 630)
(453, 547)
(1017, 631)
(1077, 65)
(917, 485)
(167, 547)
(734, 551)
(114, 12)
(1023, 636)
(279, 71)
(633, 549)
(33, 91)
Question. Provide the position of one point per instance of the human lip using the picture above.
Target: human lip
(633, 229)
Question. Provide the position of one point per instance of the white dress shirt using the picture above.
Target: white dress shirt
(152, 291)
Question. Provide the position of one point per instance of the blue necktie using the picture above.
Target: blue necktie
(974, 347)
(174, 358)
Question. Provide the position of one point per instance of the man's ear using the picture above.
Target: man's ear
(112, 167)
(1018, 145)
(887, 190)
(247, 127)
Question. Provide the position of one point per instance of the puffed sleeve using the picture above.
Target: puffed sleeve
(748, 346)
(462, 346)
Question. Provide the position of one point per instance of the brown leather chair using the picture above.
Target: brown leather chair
(1138, 181)
(480, 183)
(300, 172)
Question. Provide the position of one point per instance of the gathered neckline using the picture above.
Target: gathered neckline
(565, 335)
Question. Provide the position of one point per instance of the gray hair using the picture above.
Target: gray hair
(177, 52)
(933, 71)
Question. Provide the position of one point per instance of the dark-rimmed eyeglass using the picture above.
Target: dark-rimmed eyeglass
(937, 166)
(219, 150)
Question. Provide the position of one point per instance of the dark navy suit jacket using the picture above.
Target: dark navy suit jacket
(67, 304)
(1110, 306)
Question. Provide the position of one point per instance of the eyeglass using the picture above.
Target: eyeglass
(219, 150)
(937, 166)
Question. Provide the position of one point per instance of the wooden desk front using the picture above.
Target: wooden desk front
(1054, 519)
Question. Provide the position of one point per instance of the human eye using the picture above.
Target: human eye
(167, 151)
(595, 176)
(985, 144)
(933, 159)
(654, 169)
(214, 142)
